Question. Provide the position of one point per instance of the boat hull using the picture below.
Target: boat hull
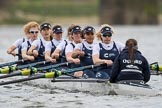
(94, 87)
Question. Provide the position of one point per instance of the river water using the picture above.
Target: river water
(24, 96)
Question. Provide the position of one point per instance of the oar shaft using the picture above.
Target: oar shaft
(32, 64)
(10, 75)
(53, 66)
(80, 68)
(23, 73)
(22, 80)
(80, 80)
(11, 63)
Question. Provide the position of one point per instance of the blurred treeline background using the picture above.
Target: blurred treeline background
(81, 11)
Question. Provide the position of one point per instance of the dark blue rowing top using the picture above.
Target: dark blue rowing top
(52, 50)
(62, 55)
(41, 50)
(19, 51)
(87, 58)
(108, 55)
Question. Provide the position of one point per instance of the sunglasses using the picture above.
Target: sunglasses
(89, 33)
(109, 35)
(33, 32)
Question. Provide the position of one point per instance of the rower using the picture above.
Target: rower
(38, 46)
(59, 52)
(76, 36)
(33, 29)
(51, 46)
(106, 51)
(83, 51)
(130, 64)
(18, 43)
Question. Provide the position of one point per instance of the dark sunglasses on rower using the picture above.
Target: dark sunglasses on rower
(109, 35)
(33, 32)
(89, 33)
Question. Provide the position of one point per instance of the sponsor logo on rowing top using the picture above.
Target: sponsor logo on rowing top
(106, 55)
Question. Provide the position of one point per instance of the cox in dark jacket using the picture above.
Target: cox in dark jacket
(130, 65)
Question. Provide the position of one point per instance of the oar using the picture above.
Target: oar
(93, 80)
(33, 70)
(48, 75)
(156, 68)
(9, 69)
(11, 63)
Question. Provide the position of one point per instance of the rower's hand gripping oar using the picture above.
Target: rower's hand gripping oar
(33, 70)
(53, 74)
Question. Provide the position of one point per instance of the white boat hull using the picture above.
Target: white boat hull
(101, 88)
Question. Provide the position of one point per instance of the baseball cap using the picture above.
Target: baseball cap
(45, 25)
(88, 29)
(106, 30)
(76, 29)
(57, 29)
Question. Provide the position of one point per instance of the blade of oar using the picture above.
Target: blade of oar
(155, 66)
(11, 63)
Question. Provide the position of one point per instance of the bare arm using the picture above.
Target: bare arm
(11, 49)
(75, 53)
(26, 57)
(70, 59)
(56, 53)
(99, 61)
(33, 51)
(30, 51)
(48, 57)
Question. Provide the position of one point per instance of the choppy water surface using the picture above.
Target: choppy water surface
(23, 96)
